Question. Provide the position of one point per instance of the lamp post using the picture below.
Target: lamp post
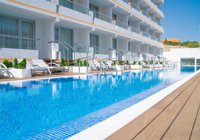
(199, 34)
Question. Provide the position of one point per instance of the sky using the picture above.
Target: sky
(180, 19)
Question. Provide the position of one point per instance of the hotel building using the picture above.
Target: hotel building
(126, 25)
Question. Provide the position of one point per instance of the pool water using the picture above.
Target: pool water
(28, 108)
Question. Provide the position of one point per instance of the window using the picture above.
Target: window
(15, 27)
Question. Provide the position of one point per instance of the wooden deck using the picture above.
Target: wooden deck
(176, 117)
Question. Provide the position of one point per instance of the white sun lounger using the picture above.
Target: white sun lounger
(36, 67)
(41, 63)
(5, 69)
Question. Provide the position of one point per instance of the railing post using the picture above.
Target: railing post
(87, 63)
(79, 66)
(3, 42)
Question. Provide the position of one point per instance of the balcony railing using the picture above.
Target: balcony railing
(74, 6)
(153, 20)
(159, 40)
(135, 7)
(135, 30)
(144, 13)
(156, 5)
(102, 17)
(123, 25)
(145, 34)
(160, 24)
(153, 37)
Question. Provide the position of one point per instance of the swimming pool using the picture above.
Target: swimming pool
(61, 107)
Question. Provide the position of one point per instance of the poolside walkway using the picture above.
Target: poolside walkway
(57, 74)
(176, 117)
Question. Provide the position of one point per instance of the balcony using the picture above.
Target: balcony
(75, 10)
(103, 20)
(74, 6)
(156, 5)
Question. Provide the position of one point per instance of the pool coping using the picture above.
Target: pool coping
(109, 126)
(5, 82)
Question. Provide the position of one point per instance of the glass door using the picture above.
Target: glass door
(95, 10)
(94, 42)
(27, 31)
(64, 34)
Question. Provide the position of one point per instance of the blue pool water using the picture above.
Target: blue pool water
(42, 108)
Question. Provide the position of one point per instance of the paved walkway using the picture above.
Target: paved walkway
(176, 117)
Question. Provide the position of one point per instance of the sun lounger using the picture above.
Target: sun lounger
(50, 66)
(5, 69)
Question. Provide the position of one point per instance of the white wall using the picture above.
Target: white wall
(82, 37)
(177, 54)
(18, 53)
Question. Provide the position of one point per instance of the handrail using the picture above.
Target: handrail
(71, 48)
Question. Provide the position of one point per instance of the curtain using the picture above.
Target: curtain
(8, 26)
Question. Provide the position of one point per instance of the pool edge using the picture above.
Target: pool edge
(106, 128)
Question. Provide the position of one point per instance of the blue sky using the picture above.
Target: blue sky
(181, 18)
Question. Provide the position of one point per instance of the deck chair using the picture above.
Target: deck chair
(41, 63)
(35, 67)
(5, 69)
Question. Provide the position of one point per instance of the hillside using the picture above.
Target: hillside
(189, 44)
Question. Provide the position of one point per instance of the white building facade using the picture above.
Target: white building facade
(127, 25)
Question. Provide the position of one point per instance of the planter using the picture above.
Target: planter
(70, 68)
(120, 67)
(19, 73)
(136, 66)
(82, 69)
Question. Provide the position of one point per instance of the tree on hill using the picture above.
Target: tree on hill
(193, 44)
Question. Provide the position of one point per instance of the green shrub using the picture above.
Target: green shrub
(161, 63)
(151, 62)
(104, 62)
(156, 63)
(81, 63)
(85, 63)
(127, 62)
(15, 63)
(22, 64)
(77, 62)
(120, 63)
(139, 63)
(114, 63)
(134, 62)
(62, 62)
(68, 62)
(146, 62)
(7, 63)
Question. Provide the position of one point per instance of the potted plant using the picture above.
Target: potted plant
(120, 65)
(19, 69)
(136, 65)
(84, 66)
